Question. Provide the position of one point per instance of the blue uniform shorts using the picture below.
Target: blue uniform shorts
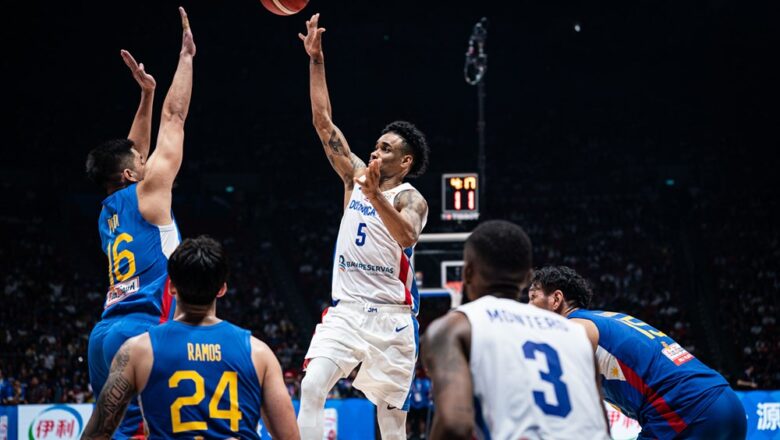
(104, 341)
(724, 419)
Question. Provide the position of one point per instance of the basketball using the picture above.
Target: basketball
(284, 7)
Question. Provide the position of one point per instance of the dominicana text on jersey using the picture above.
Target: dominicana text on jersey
(369, 264)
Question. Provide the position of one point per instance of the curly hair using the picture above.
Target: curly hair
(414, 141)
(576, 289)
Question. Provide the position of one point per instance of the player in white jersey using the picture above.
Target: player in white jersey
(372, 321)
(500, 368)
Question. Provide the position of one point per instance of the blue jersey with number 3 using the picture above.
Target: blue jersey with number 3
(649, 376)
(137, 254)
(203, 383)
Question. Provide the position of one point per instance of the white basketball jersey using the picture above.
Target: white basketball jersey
(533, 374)
(369, 265)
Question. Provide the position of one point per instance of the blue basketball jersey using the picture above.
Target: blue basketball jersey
(649, 376)
(203, 383)
(137, 254)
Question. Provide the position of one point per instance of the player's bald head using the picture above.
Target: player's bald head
(501, 253)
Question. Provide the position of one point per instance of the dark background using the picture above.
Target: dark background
(667, 110)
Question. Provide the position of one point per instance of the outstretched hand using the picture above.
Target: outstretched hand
(312, 41)
(143, 79)
(369, 182)
(187, 40)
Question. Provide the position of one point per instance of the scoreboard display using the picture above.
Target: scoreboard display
(460, 196)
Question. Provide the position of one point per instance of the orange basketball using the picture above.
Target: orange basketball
(284, 7)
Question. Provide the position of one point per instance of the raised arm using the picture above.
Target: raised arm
(155, 190)
(346, 163)
(445, 348)
(404, 218)
(114, 398)
(141, 130)
(277, 411)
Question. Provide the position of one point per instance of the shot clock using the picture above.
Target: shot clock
(460, 196)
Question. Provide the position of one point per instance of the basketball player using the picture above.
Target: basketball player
(644, 372)
(136, 225)
(372, 321)
(514, 371)
(198, 376)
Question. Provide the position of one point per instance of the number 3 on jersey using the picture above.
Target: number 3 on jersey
(553, 376)
(361, 235)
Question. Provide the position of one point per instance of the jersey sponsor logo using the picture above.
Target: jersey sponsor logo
(367, 210)
(120, 291)
(342, 264)
(677, 354)
(370, 269)
(398, 329)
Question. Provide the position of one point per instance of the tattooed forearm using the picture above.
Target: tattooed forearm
(335, 143)
(113, 400)
(357, 163)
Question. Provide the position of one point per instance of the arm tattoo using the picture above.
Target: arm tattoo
(112, 403)
(412, 201)
(335, 143)
(357, 163)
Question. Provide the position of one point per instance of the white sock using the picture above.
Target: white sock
(321, 375)
(392, 422)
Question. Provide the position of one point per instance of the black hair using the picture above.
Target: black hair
(106, 161)
(414, 142)
(576, 289)
(198, 268)
(502, 247)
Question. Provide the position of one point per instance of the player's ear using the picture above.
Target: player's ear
(222, 290)
(468, 273)
(558, 300)
(407, 161)
(129, 175)
(173, 291)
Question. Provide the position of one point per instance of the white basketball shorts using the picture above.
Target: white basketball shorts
(381, 337)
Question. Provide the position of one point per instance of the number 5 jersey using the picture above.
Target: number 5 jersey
(369, 265)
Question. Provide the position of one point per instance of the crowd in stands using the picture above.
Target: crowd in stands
(619, 236)
(50, 307)
(746, 283)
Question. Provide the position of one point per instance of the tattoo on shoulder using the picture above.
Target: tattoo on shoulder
(411, 199)
(335, 143)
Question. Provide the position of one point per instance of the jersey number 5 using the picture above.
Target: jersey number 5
(228, 382)
(361, 235)
(553, 376)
